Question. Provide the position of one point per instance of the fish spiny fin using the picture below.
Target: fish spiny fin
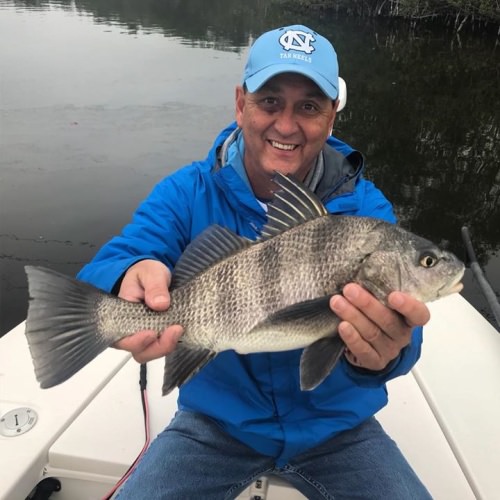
(61, 326)
(182, 364)
(210, 247)
(318, 360)
(293, 204)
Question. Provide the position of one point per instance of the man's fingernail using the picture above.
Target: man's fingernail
(337, 302)
(351, 292)
(396, 300)
(160, 300)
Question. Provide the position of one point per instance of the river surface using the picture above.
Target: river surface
(100, 100)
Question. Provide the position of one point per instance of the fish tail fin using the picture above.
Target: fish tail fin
(62, 325)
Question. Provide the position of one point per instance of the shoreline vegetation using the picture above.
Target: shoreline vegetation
(454, 14)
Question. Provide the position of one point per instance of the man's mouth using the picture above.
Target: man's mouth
(283, 147)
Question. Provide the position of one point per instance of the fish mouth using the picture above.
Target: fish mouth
(455, 287)
(282, 146)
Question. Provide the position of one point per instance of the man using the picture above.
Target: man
(245, 416)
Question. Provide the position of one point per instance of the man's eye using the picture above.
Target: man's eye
(270, 104)
(269, 101)
(310, 107)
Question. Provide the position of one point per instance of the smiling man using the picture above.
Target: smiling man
(243, 416)
(285, 123)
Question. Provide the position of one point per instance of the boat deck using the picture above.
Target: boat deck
(444, 416)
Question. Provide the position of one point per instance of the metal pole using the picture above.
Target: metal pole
(486, 288)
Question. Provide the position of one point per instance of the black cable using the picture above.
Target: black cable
(143, 381)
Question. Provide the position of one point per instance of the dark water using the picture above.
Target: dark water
(101, 99)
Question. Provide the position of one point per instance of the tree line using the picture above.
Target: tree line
(455, 13)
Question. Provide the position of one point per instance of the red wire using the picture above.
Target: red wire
(144, 448)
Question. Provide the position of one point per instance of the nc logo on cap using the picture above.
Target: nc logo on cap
(297, 40)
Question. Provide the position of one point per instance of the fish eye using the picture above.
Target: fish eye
(428, 260)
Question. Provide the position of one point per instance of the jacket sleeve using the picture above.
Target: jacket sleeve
(399, 366)
(159, 230)
(374, 204)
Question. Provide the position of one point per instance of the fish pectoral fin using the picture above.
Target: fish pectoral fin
(307, 312)
(182, 364)
(314, 317)
(318, 360)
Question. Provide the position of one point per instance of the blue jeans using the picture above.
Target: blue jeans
(194, 458)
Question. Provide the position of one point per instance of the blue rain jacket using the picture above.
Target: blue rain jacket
(255, 397)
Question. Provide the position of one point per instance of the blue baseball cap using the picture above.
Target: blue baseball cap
(296, 49)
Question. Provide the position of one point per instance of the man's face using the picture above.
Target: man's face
(285, 125)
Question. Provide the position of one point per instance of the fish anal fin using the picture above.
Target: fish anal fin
(318, 360)
(182, 364)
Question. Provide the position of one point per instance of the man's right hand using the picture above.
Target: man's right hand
(148, 281)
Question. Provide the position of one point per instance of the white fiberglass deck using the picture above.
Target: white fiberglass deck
(444, 415)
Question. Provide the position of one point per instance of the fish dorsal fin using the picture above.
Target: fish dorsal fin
(210, 247)
(293, 204)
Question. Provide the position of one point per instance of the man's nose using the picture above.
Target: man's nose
(286, 121)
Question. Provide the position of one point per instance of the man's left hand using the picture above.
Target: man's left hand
(373, 333)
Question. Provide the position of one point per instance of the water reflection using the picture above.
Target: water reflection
(220, 24)
(100, 99)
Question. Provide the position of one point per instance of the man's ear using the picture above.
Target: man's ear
(335, 105)
(240, 103)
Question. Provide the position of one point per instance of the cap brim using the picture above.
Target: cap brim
(256, 81)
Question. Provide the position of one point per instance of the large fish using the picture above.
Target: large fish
(233, 293)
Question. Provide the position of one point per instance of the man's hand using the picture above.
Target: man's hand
(373, 333)
(148, 281)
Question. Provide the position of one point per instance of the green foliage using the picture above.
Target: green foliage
(423, 108)
(460, 12)
(477, 7)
